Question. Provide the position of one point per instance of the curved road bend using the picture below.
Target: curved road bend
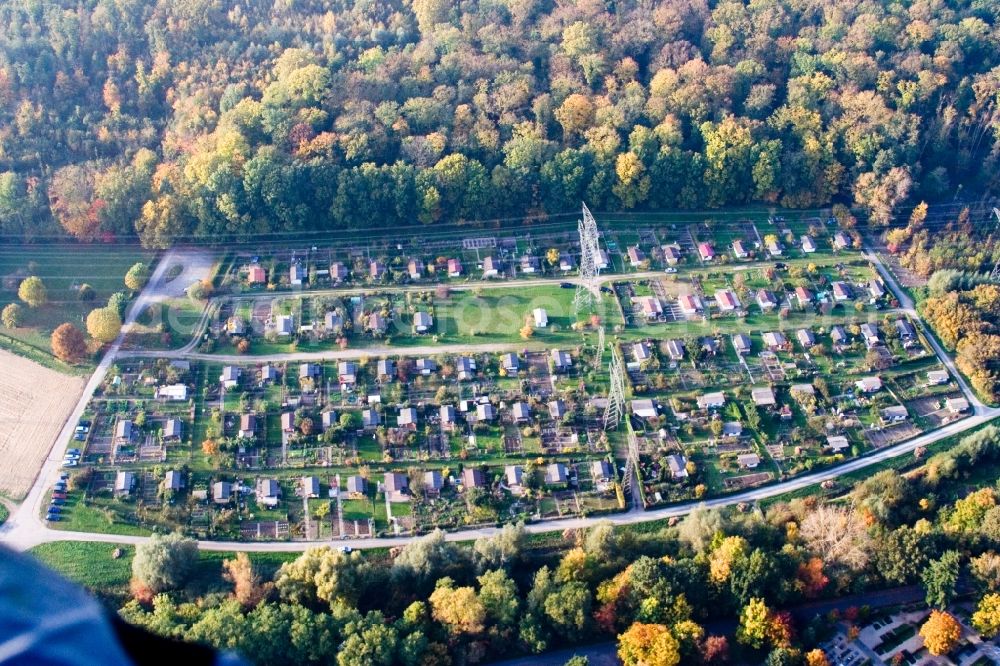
(25, 529)
(906, 305)
(26, 518)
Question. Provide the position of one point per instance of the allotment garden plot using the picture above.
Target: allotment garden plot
(720, 412)
(387, 445)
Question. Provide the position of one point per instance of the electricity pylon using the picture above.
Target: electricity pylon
(600, 344)
(587, 292)
(632, 467)
(995, 273)
(616, 391)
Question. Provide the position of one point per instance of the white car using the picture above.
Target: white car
(70, 462)
(670, 270)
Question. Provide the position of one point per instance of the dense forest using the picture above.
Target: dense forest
(661, 592)
(178, 118)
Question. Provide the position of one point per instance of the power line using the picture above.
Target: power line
(464, 227)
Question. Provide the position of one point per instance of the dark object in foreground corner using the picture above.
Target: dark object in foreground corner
(143, 647)
(47, 620)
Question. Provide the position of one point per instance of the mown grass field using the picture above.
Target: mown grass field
(63, 268)
(497, 315)
(94, 566)
(90, 564)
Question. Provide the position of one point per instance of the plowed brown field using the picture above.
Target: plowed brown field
(34, 405)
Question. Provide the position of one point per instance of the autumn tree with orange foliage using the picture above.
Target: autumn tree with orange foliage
(248, 589)
(811, 579)
(613, 596)
(210, 447)
(73, 203)
(714, 650)
(816, 658)
(69, 343)
(781, 629)
(648, 645)
(941, 632)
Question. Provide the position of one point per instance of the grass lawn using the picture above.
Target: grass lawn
(99, 515)
(499, 314)
(402, 509)
(381, 518)
(63, 268)
(178, 318)
(93, 566)
(90, 564)
(4, 514)
(357, 509)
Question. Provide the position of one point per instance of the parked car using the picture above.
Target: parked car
(70, 463)
(53, 518)
(670, 270)
(566, 285)
(56, 501)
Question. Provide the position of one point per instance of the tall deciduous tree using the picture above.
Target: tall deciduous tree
(69, 343)
(104, 324)
(755, 621)
(11, 316)
(137, 276)
(164, 561)
(648, 645)
(457, 608)
(941, 632)
(73, 202)
(986, 619)
(33, 292)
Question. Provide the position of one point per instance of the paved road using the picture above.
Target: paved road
(25, 529)
(22, 539)
(26, 520)
(214, 303)
(907, 305)
(333, 354)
